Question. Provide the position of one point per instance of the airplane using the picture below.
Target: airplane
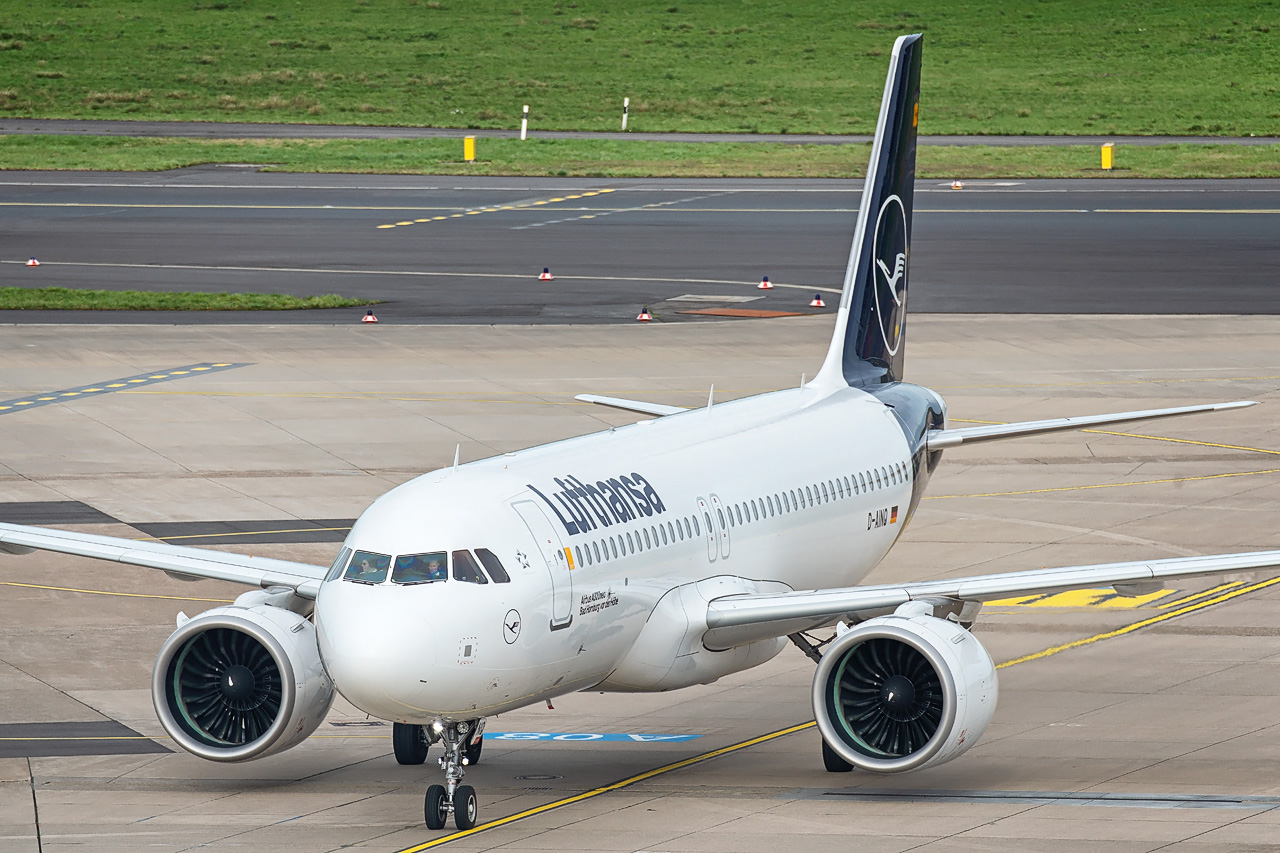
(668, 553)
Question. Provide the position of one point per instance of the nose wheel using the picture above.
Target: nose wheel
(462, 742)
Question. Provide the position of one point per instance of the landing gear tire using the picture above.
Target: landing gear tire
(436, 807)
(472, 751)
(465, 807)
(408, 743)
(833, 762)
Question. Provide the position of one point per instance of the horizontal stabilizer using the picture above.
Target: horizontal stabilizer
(631, 405)
(173, 559)
(737, 619)
(941, 439)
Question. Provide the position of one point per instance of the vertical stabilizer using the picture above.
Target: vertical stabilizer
(870, 336)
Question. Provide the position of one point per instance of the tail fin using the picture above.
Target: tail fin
(870, 333)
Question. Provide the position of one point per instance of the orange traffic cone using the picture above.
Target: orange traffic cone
(817, 302)
(956, 185)
(546, 275)
(765, 284)
(368, 317)
(33, 263)
(645, 316)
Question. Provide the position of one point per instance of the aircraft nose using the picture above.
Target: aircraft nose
(368, 649)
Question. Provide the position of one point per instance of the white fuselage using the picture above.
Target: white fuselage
(795, 489)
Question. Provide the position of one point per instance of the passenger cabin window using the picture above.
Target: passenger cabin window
(465, 568)
(493, 565)
(367, 567)
(420, 568)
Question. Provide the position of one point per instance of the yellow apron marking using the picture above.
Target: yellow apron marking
(1107, 598)
(493, 208)
(1129, 629)
(238, 533)
(105, 592)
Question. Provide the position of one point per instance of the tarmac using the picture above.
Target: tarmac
(448, 250)
(1123, 724)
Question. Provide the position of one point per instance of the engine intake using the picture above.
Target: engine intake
(237, 683)
(903, 692)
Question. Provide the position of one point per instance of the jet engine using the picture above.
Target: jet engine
(903, 692)
(242, 682)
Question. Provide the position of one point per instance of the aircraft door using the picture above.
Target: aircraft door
(553, 555)
(722, 525)
(713, 545)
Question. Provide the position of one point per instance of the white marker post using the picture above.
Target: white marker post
(626, 103)
(524, 124)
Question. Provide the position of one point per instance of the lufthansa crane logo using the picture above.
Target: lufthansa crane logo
(890, 272)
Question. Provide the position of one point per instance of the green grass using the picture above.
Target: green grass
(62, 298)
(629, 158)
(812, 66)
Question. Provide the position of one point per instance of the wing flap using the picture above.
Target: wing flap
(175, 559)
(944, 438)
(631, 405)
(738, 619)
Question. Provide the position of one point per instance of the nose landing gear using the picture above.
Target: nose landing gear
(462, 743)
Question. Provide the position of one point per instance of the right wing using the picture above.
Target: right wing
(737, 619)
(192, 563)
(941, 439)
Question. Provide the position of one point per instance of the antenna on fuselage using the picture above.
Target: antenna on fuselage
(803, 378)
(457, 451)
(711, 397)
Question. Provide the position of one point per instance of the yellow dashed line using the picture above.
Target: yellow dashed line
(499, 207)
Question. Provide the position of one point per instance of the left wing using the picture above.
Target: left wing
(737, 619)
(263, 572)
(631, 405)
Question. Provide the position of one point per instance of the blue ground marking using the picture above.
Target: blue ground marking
(588, 737)
(142, 380)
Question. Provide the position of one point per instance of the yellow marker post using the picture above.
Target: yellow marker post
(469, 149)
(1107, 151)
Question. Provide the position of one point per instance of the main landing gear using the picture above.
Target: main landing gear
(462, 741)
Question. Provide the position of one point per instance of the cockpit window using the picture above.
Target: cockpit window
(465, 568)
(367, 567)
(420, 568)
(339, 563)
(493, 565)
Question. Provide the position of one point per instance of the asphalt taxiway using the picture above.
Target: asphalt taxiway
(469, 250)
(1123, 725)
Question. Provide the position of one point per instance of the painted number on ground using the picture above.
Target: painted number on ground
(582, 737)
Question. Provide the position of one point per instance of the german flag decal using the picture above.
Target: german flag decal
(893, 515)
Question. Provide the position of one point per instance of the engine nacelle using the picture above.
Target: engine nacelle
(237, 682)
(903, 692)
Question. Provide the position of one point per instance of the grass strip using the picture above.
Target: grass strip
(67, 299)
(767, 66)
(629, 158)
